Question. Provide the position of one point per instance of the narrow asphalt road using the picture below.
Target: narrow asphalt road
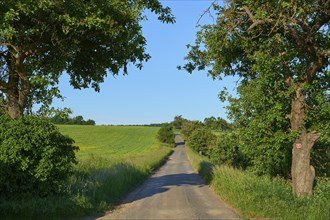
(176, 191)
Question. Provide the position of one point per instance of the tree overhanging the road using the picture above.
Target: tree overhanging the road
(280, 51)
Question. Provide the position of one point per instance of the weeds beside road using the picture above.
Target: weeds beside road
(262, 197)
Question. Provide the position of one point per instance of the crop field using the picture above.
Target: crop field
(115, 142)
(112, 161)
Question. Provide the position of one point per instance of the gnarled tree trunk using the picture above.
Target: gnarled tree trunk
(17, 88)
(302, 172)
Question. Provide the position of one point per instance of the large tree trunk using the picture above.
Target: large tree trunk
(302, 172)
(14, 109)
(17, 88)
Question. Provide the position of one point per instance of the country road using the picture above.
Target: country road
(176, 191)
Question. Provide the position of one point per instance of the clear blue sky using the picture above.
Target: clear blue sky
(159, 91)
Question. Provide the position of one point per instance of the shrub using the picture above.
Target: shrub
(227, 150)
(201, 140)
(166, 134)
(189, 127)
(34, 156)
(320, 157)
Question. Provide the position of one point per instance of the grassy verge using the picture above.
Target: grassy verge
(112, 162)
(202, 164)
(262, 197)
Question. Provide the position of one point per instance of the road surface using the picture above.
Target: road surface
(176, 191)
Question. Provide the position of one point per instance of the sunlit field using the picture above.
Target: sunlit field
(115, 142)
(112, 161)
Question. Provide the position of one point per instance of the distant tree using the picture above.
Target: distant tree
(90, 122)
(178, 121)
(78, 120)
(219, 124)
(166, 134)
(41, 39)
(63, 117)
(201, 140)
(280, 50)
(210, 122)
(189, 127)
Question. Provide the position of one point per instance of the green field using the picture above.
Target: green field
(115, 142)
(112, 161)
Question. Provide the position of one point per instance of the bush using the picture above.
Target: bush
(166, 134)
(189, 127)
(320, 157)
(227, 151)
(201, 140)
(34, 156)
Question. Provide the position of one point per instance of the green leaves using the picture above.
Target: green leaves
(166, 134)
(86, 39)
(34, 156)
(201, 140)
(277, 49)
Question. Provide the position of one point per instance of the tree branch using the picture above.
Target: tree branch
(207, 11)
(312, 137)
(313, 68)
(323, 18)
(254, 20)
(10, 45)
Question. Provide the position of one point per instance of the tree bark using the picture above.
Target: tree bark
(18, 87)
(302, 172)
(13, 107)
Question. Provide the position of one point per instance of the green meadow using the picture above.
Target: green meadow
(112, 161)
(115, 142)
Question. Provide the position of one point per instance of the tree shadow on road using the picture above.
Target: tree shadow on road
(156, 185)
(178, 140)
(179, 143)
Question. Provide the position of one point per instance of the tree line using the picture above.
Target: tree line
(77, 120)
(212, 123)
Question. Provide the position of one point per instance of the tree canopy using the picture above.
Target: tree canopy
(280, 51)
(40, 39)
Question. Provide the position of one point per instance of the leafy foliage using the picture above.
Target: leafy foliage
(189, 127)
(179, 121)
(201, 140)
(228, 150)
(34, 156)
(218, 124)
(41, 39)
(166, 134)
(78, 120)
(280, 51)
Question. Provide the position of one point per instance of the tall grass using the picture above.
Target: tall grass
(201, 163)
(263, 197)
(112, 162)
